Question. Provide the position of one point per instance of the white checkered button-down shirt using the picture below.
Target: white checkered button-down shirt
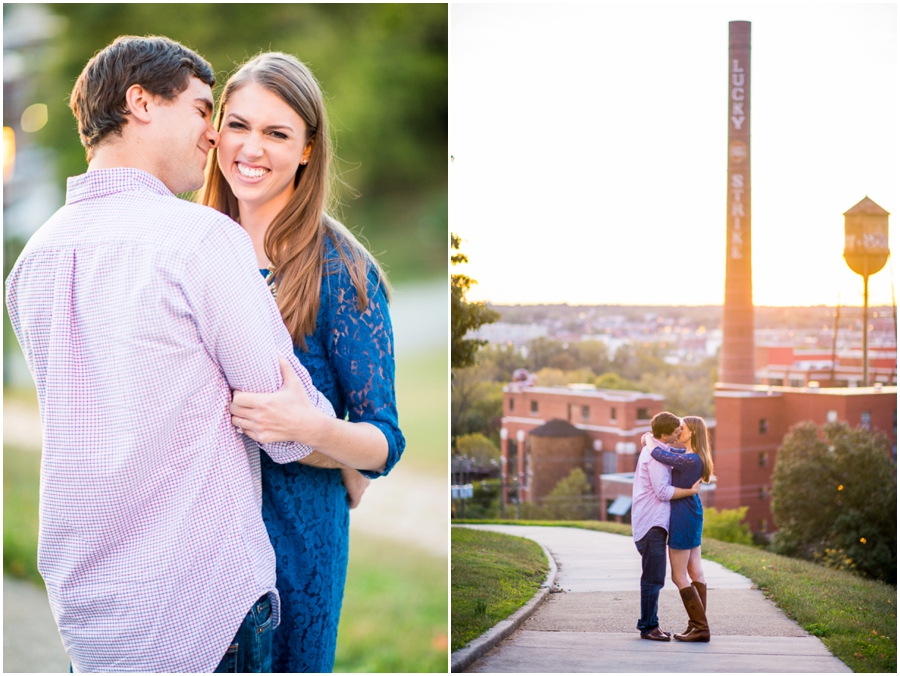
(138, 313)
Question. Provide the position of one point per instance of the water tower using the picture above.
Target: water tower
(866, 251)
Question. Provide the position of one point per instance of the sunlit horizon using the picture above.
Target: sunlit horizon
(591, 171)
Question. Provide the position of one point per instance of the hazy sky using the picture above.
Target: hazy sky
(590, 148)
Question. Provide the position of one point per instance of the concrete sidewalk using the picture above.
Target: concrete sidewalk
(591, 626)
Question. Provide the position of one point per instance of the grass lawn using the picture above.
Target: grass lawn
(855, 618)
(394, 617)
(493, 575)
(21, 477)
(422, 387)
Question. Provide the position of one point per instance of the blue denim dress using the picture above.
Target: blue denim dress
(686, 518)
(350, 358)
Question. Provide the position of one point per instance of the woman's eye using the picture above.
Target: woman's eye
(279, 135)
(235, 125)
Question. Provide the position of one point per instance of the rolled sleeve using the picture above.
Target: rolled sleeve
(661, 480)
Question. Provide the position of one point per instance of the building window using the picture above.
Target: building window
(512, 404)
(585, 412)
(763, 425)
(643, 414)
(610, 462)
(534, 407)
(763, 494)
(763, 459)
(612, 414)
(865, 420)
(776, 381)
(796, 382)
(831, 416)
(763, 525)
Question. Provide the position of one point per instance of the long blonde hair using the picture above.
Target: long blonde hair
(295, 239)
(700, 443)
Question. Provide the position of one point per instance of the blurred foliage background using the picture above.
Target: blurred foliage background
(383, 68)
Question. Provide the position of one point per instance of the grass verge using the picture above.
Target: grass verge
(493, 576)
(855, 618)
(422, 405)
(394, 617)
(21, 478)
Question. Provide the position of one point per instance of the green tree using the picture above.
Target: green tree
(552, 377)
(570, 499)
(464, 316)
(505, 359)
(726, 525)
(476, 401)
(613, 381)
(834, 498)
(478, 447)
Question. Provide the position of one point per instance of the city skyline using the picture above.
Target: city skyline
(589, 148)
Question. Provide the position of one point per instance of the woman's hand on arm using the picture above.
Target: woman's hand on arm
(356, 484)
(686, 492)
(289, 415)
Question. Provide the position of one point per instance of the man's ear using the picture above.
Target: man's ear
(138, 102)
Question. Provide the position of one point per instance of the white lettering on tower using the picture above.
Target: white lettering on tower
(737, 94)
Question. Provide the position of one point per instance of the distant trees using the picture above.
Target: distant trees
(479, 448)
(570, 500)
(834, 499)
(464, 316)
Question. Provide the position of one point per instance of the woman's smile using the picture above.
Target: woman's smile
(251, 173)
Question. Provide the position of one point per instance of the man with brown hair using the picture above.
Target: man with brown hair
(651, 493)
(138, 314)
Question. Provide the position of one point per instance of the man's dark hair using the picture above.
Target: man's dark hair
(664, 423)
(161, 66)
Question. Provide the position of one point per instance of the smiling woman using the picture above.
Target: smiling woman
(271, 174)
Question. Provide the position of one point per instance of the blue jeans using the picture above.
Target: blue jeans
(251, 650)
(653, 562)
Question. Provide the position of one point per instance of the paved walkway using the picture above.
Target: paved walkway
(591, 626)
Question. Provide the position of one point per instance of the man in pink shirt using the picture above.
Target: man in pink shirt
(651, 494)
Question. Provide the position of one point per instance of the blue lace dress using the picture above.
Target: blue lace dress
(350, 358)
(686, 517)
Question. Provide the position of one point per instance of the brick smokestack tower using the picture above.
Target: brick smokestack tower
(737, 316)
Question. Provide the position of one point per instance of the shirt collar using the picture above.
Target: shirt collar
(103, 182)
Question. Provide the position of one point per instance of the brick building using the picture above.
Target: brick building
(612, 422)
(560, 428)
(556, 448)
(753, 419)
(787, 365)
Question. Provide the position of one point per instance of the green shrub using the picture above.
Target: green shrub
(725, 525)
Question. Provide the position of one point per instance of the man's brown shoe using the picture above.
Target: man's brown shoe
(656, 634)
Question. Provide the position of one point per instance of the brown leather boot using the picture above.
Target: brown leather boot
(701, 589)
(698, 627)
